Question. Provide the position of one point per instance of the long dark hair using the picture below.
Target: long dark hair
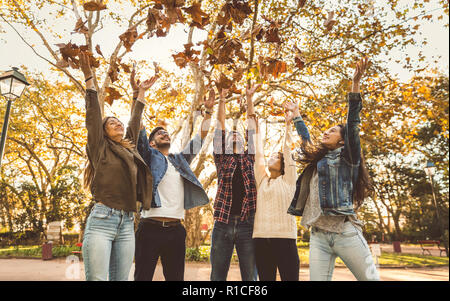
(313, 153)
(89, 169)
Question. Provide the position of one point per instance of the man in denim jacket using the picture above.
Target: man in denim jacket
(175, 189)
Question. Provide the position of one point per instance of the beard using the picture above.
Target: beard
(163, 145)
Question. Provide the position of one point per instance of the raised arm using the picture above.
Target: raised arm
(209, 106)
(94, 125)
(136, 115)
(260, 160)
(135, 86)
(352, 146)
(290, 171)
(251, 118)
(250, 91)
(221, 111)
(300, 125)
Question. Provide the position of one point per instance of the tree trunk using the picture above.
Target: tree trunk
(193, 222)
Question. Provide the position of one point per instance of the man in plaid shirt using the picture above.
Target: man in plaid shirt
(235, 203)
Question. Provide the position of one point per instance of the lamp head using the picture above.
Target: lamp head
(12, 83)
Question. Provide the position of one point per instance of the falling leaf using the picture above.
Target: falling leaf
(274, 111)
(271, 66)
(129, 37)
(301, 3)
(68, 50)
(237, 75)
(196, 12)
(276, 67)
(224, 15)
(173, 93)
(329, 22)
(125, 68)
(299, 59)
(155, 64)
(94, 6)
(223, 82)
(97, 48)
(114, 72)
(239, 11)
(113, 94)
(80, 28)
(152, 19)
(188, 55)
(272, 33)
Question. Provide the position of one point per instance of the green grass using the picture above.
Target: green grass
(411, 260)
(36, 251)
(202, 255)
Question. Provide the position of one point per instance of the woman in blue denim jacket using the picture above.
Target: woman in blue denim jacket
(330, 189)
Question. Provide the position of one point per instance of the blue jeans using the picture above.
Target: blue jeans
(223, 239)
(350, 246)
(108, 244)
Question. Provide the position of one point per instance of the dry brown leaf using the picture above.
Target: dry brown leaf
(196, 13)
(329, 22)
(97, 48)
(223, 82)
(94, 6)
(155, 65)
(80, 28)
(114, 73)
(125, 68)
(113, 94)
(129, 37)
(299, 59)
(173, 93)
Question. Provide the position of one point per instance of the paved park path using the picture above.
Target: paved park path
(58, 269)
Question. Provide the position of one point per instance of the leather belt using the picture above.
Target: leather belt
(162, 224)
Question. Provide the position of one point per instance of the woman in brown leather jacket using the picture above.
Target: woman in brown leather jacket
(118, 178)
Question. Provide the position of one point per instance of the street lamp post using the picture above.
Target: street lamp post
(430, 170)
(12, 85)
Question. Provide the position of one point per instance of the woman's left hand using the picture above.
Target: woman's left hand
(361, 67)
(145, 85)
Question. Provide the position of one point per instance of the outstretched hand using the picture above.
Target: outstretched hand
(146, 84)
(289, 116)
(209, 102)
(361, 67)
(85, 64)
(223, 94)
(290, 111)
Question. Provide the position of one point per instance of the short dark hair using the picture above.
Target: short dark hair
(153, 133)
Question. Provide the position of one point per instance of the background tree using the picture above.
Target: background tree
(298, 49)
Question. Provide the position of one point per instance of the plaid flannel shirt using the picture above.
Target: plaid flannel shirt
(226, 164)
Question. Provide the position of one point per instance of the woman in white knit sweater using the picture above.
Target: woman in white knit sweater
(275, 231)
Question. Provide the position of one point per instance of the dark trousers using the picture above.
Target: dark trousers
(273, 253)
(223, 240)
(154, 241)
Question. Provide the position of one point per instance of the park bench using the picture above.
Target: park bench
(428, 245)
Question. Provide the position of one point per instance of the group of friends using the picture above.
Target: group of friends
(256, 202)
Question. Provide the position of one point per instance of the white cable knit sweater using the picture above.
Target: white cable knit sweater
(274, 196)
